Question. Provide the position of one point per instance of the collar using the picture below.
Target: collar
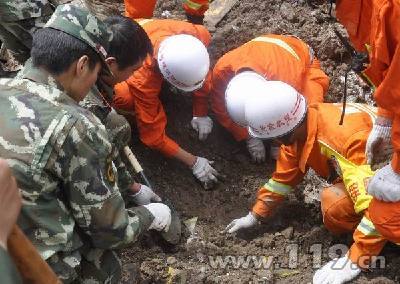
(56, 93)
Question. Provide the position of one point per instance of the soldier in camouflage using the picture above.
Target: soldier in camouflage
(128, 48)
(61, 156)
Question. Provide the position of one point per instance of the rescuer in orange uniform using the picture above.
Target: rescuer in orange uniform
(194, 9)
(181, 58)
(374, 26)
(355, 16)
(274, 57)
(313, 139)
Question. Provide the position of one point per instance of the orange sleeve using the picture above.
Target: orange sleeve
(220, 79)
(286, 176)
(145, 86)
(385, 55)
(385, 113)
(195, 7)
(200, 98)
(368, 243)
(316, 83)
(135, 9)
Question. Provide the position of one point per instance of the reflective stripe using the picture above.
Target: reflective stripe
(356, 107)
(368, 79)
(144, 21)
(277, 187)
(367, 228)
(192, 5)
(278, 42)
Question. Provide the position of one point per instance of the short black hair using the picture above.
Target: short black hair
(130, 42)
(56, 50)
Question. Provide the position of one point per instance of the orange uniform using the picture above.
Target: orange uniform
(383, 70)
(139, 95)
(276, 57)
(136, 9)
(355, 16)
(346, 205)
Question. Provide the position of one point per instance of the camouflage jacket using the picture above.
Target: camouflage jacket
(16, 10)
(98, 101)
(62, 159)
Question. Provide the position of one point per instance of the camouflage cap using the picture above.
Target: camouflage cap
(83, 25)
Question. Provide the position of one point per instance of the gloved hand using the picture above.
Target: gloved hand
(203, 125)
(256, 149)
(245, 222)
(379, 137)
(145, 195)
(385, 185)
(204, 172)
(337, 271)
(162, 216)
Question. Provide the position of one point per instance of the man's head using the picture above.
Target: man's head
(72, 47)
(184, 62)
(129, 46)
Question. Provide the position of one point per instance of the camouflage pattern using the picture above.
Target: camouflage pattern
(16, 10)
(84, 26)
(62, 159)
(98, 101)
(8, 271)
(17, 36)
(19, 19)
(97, 265)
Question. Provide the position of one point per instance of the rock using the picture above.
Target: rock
(288, 233)
(171, 260)
(176, 276)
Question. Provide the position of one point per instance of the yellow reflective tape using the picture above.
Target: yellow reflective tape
(192, 5)
(278, 42)
(144, 21)
(354, 176)
(367, 227)
(277, 187)
(368, 79)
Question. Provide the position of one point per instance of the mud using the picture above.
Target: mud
(289, 243)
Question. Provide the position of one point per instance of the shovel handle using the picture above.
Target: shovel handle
(136, 166)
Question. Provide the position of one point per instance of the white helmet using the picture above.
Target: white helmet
(275, 114)
(183, 61)
(241, 87)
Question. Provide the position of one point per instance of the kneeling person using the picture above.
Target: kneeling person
(60, 154)
(313, 138)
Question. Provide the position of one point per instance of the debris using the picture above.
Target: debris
(176, 276)
(288, 233)
(217, 11)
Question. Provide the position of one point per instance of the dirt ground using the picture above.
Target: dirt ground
(297, 229)
(292, 243)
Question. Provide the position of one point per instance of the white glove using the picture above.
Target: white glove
(245, 222)
(145, 196)
(256, 149)
(204, 172)
(203, 125)
(337, 271)
(162, 216)
(378, 138)
(385, 185)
